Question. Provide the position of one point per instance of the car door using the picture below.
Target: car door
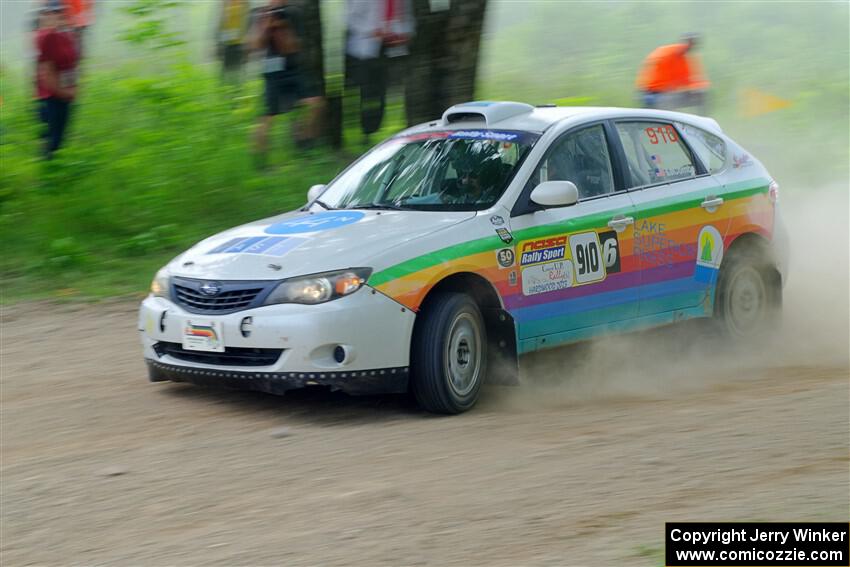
(576, 271)
(680, 222)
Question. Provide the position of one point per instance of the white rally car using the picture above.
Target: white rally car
(440, 256)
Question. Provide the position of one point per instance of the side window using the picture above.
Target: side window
(710, 149)
(655, 153)
(581, 157)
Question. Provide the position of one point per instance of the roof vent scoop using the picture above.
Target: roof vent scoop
(465, 117)
(483, 111)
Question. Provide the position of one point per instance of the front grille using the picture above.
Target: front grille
(232, 356)
(225, 301)
(232, 295)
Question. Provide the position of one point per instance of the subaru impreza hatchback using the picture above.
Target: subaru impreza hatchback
(436, 259)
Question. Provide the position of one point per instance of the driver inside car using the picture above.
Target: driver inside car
(479, 174)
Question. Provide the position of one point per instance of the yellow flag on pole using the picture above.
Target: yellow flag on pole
(755, 102)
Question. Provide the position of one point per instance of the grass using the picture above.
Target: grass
(153, 165)
(652, 553)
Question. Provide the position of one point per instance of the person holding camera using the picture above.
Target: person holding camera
(278, 35)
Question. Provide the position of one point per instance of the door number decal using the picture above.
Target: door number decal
(561, 261)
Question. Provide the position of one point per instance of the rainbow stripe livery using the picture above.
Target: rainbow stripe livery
(663, 269)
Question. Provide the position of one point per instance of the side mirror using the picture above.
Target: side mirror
(314, 192)
(555, 194)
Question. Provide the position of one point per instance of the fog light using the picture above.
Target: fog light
(339, 354)
(246, 326)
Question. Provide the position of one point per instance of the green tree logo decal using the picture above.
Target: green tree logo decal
(707, 245)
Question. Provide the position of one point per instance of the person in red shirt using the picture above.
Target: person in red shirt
(56, 74)
(671, 77)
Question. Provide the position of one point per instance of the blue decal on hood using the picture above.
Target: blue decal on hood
(221, 248)
(266, 245)
(316, 222)
(243, 244)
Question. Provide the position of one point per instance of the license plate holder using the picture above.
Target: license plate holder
(203, 334)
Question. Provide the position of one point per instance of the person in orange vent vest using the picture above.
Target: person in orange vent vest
(80, 18)
(671, 77)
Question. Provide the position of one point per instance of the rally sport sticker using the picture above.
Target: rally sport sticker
(565, 260)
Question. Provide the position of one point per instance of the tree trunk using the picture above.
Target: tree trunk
(444, 57)
(325, 119)
(312, 53)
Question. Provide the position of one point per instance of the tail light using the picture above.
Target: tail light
(773, 192)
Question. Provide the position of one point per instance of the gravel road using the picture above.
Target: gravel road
(582, 465)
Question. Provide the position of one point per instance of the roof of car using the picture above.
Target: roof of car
(506, 115)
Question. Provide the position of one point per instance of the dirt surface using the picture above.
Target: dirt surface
(101, 467)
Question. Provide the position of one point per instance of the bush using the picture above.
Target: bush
(150, 166)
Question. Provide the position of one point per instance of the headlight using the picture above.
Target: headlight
(319, 288)
(159, 285)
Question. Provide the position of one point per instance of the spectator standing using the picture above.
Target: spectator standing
(230, 36)
(277, 34)
(80, 15)
(672, 78)
(376, 31)
(56, 73)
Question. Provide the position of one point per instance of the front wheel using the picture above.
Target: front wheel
(748, 296)
(449, 354)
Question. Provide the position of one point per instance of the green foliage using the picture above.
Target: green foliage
(64, 253)
(149, 28)
(151, 166)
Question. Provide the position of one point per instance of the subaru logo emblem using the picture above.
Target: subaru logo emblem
(211, 288)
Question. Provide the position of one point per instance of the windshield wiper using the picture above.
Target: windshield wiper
(323, 204)
(377, 207)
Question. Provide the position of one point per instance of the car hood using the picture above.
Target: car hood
(302, 242)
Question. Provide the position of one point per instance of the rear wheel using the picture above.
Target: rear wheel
(748, 294)
(449, 354)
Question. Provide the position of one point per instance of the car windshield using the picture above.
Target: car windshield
(443, 171)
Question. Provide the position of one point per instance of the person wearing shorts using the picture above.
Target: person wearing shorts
(282, 90)
(278, 35)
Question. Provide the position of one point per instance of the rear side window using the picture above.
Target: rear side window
(710, 148)
(654, 153)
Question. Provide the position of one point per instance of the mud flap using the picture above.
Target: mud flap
(502, 362)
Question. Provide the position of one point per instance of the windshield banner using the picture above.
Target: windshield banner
(496, 135)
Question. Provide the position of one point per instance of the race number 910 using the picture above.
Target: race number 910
(587, 257)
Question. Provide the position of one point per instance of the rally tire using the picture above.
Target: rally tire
(449, 354)
(749, 295)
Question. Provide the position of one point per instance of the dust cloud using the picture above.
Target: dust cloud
(689, 357)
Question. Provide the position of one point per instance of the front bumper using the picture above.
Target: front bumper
(384, 380)
(374, 330)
